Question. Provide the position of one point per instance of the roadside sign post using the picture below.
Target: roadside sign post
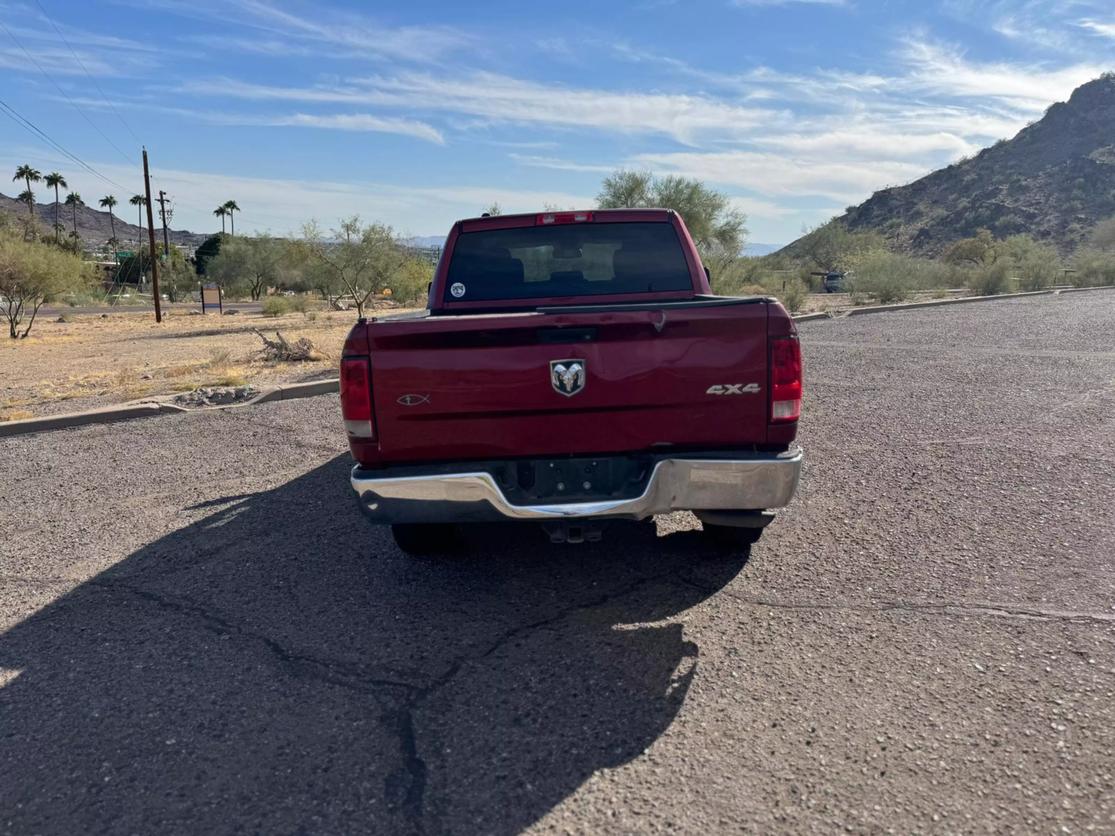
(211, 298)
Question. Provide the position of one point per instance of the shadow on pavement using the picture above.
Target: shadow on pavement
(280, 666)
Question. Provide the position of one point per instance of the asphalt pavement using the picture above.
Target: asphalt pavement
(200, 633)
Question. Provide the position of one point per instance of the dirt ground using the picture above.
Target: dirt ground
(92, 360)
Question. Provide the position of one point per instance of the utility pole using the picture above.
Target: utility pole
(166, 240)
(151, 240)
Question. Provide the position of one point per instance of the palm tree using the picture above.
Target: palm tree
(140, 201)
(54, 180)
(221, 212)
(230, 207)
(28, 175)
(108, 201)
(74, 199)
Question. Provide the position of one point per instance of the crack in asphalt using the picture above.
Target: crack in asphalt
(411, 800)
(405, 787)
(943, 608)
(331, 671)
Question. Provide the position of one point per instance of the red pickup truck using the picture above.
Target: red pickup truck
(570, 368)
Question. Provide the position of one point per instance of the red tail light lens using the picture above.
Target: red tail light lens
(562, 218)
(356, 397)
(785, 380)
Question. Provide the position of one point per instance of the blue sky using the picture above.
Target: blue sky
(417, 114)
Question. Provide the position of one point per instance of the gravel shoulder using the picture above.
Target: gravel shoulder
(200, 632)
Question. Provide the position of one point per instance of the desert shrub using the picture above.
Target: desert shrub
(793, 294)
(1092, 268)
(409, 283)
(277, 306)
(891, 277)
(1036, 265)
(728, 275)
(1039, 271)
(989, 280)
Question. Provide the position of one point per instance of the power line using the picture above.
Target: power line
(88, 75)
(66, 95)
(15, 116)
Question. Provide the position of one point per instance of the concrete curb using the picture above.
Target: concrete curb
(76, 419)
(297, 390)
(936, 303)
(961, 300)
(146, 409)
(809, 317)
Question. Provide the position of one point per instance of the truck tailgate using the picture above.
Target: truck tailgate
(493, 386)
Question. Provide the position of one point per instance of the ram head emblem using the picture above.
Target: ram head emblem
(567, 376)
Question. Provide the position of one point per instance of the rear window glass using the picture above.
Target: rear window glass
(566, 260)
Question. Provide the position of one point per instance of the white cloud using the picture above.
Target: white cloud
(945, 72)
(776, 175)
(358, 35)
(360, 122)
(499, 98)
(789, 2)
(560, 165)
(869, 142)
(1096, 27)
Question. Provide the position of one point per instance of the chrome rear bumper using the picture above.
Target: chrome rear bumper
(756, 482)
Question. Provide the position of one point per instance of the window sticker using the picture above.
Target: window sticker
(457, 289)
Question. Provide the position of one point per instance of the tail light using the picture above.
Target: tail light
(785, 380)
(562, 218)
(356, 397)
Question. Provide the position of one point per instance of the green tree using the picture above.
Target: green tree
(32, 273)
(208, 250)
(832, 246)
(251, 263)
(981, 250)
(221, 212)
(1036, 265)
(361, 259)
(1102, 237)
(139, 201)
(716, 227)
(177, 278)
(73, 200)
(230, 208)
(108, 202)
(56, 181)
(1094, 263)
(28, 175)
(623, 189)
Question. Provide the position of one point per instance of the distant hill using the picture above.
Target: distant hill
(755, 248)
(1054, 180)
(93, 225)
(422, 241)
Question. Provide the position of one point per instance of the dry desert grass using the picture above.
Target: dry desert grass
(90, 361)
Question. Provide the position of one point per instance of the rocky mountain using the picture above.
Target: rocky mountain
(93, 225)
(1054, 180)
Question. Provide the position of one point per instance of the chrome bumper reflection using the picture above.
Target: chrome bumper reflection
(752, 483)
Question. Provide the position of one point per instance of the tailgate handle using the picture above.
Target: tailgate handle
(555, 336)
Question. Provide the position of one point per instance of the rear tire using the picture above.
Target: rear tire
(731, 539)
(422, 539)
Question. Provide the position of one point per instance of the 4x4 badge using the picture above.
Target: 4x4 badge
(567, 376)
